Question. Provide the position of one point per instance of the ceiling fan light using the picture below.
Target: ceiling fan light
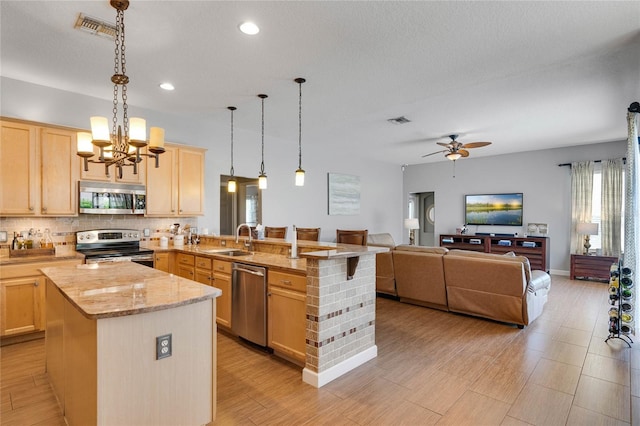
(453, 156)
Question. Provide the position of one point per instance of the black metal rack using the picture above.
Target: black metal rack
(621, 297)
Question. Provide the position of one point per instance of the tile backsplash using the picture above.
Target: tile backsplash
(63, 229)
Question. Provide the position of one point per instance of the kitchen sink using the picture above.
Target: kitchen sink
(225, 252)
(237, 253)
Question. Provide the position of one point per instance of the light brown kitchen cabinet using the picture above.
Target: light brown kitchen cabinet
(59, 172)
(185, 266)
(161, 261)
(287, 314)
(18, 169)
(98, 172)
(204, 272)
(176, 188)
(222, 281)
(22, 288)
(38, 169)
(22, 305)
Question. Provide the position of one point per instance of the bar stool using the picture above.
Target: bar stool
(275, 232)
(352, 236)
(308, 234)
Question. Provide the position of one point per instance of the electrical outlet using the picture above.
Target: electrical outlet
(223, 243)
(163, 346)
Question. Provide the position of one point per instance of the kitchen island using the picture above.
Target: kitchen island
(126, 344)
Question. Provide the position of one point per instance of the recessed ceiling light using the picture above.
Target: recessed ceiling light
(249, 28)
(167, 86)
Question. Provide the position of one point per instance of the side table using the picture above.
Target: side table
(587, 267)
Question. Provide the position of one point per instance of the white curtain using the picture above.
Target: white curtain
(632, 205)
(581, 195)
(611, 215)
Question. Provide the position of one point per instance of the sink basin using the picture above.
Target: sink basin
(226, 252)
(237, 253)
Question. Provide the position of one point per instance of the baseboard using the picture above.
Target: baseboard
(320, 379)
(559, 272)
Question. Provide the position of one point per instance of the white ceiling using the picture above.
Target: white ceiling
(524, 75)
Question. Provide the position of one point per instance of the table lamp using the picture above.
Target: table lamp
(587, 229)
(412, 224)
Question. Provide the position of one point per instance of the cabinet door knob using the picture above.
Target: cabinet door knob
(30, 208)
(36, 283)
(44, 209)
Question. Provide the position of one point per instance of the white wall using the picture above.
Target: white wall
(546, 188)
(283, 203)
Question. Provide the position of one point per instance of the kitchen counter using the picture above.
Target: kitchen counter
(124, 288)
(6, 260)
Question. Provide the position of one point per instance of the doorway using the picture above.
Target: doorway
(422, 205)
(242, 206)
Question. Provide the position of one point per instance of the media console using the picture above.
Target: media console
(536, 249)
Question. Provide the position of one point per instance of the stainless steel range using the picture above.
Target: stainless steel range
(113, 245)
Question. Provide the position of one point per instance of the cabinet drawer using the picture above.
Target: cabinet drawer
(290, 281)
(222, 266)
(203, 262)
(186, 259)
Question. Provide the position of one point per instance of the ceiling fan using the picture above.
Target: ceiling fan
(456, 149)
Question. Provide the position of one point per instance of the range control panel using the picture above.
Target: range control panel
(107, 236)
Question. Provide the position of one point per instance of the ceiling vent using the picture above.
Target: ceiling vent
(399, 120)
(96, 27)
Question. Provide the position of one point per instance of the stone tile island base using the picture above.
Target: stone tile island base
(341, 315)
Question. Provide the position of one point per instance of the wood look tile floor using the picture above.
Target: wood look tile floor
(432, 367)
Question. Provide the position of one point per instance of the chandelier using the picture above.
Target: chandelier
(121, 145)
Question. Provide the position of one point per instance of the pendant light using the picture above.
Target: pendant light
(300, 172)
(231, 183)
(262, 177)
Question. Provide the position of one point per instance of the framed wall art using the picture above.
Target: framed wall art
(344, 194)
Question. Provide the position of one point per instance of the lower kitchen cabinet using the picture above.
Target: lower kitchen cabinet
(22, 305)
(22, 299)
(185, 266)
(287, 317)
(204, 273)
(161, 261)
(222, 280)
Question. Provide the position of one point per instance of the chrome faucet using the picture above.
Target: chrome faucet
(247, 243)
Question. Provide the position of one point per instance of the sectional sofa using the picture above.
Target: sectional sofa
(497, 287)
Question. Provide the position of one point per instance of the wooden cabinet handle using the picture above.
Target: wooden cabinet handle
(285, 282)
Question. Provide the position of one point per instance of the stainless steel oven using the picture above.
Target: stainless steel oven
(113, 245)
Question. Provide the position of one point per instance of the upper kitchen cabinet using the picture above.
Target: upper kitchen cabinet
(176, 188)
(18, 169)
(59, 173)
(38, 170)
(97, 171)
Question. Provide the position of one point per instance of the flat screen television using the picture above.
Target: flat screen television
(493, 209)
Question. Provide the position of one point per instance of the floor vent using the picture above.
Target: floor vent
(96, 27)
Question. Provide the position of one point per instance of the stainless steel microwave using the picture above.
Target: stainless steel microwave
(111, 198)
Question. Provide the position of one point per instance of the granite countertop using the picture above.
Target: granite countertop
(124, 288)
(268, 260)
(6, 260)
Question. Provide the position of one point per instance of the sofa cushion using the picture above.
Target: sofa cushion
(384, 240)
(422, 249)
(506, 257)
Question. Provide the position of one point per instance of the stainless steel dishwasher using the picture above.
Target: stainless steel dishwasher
(249, 303)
